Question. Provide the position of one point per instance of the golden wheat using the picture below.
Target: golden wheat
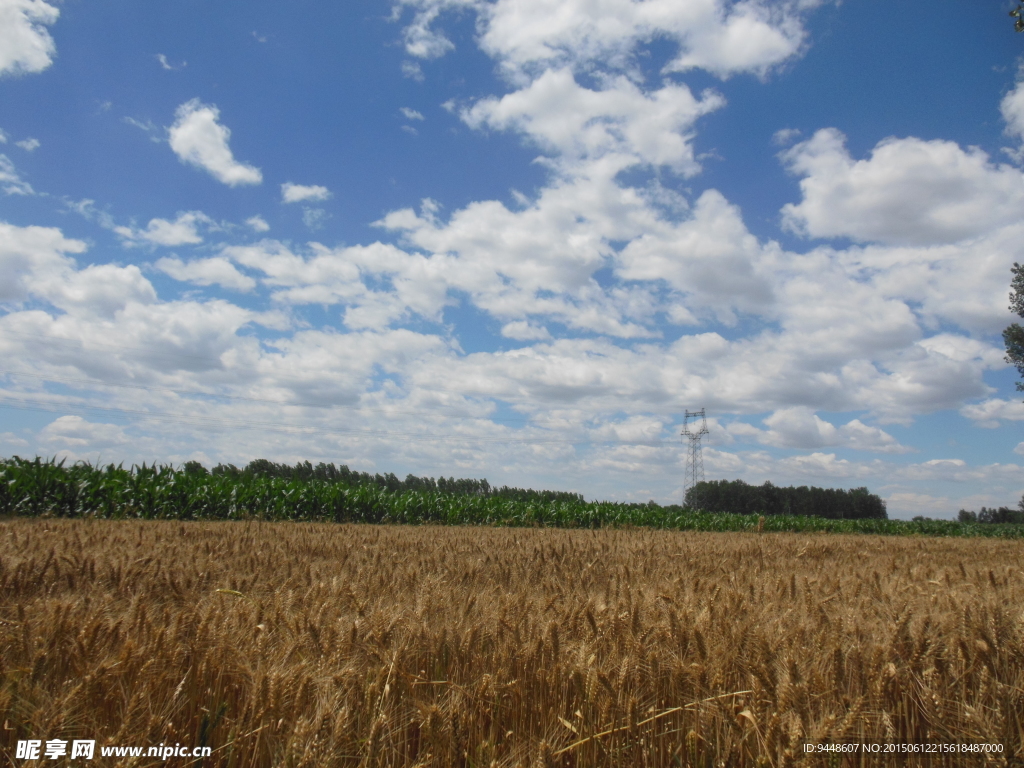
(318, 645)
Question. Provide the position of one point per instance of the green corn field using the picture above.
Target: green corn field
(36, 488)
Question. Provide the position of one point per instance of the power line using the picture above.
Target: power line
(695, 458)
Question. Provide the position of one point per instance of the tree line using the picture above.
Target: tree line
(304, 471)
(993, 515)
(738, 497)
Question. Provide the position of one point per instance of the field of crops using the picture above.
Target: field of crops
(299, 644)
(40, 488)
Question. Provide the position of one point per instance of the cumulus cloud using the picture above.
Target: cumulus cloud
(297, 193)
(908, 192)
(988, 413)
(99, 290)
(198, 139)
(28, 253)
(212, 271)
(29, 145)
(37, 263)
(104, 320)
(184, 230)
(709, 257)
(411, 114)
(800, 427)
(748, 37)
(964, 284)
(334, 276)
(528, 35)
(536, 261)
(25, 43)
(576, 122)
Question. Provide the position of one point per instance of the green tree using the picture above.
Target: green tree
(1013, 336)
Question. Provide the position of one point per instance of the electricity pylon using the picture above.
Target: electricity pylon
(695, 460)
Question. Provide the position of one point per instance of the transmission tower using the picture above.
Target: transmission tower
(695, 461)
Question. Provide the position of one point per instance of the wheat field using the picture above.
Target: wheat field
(293, 644)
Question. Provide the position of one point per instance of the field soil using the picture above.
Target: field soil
(288, 644)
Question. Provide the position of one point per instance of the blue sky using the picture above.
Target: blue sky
(518, 239)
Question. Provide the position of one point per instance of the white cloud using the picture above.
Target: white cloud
(411, 114)
(964, 284)
(1012, 109)
(709, 256)
(800, 427)
(909, 192)
(26, 253)
(182, 231)
(71, 433)
(332, 277)
(297, 193)
(98, 290)
(522, 330)
(198, 139)
(412, 70)
(25, 43)
(212, 271)
(988, 413)
(749, 37)
(9, 440)
(578, 123)
(535, 261)
(3, 137)
(528, 35)
(29, 145)
(35, 261)
(423, 42)
(11, 181)
(785, 136)
(165, 64)
(257, 224)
